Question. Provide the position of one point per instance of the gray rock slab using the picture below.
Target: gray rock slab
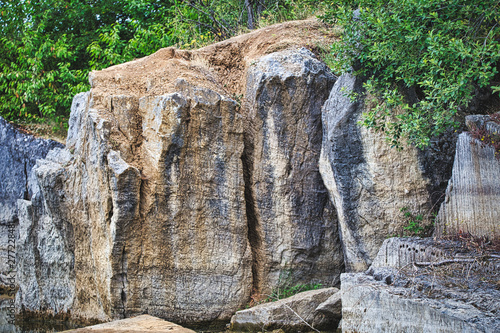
(18, 154)
(292, 314)
(369, 305)
(473, 193)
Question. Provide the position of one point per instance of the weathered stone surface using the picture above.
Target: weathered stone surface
(288, 314)
(143, 323)
(473, 193)
(332, 307)
(19, 152)
(110, 240)
(423, 285)
(369, 305)
(293, 223)
(399, 252)
(368, 180)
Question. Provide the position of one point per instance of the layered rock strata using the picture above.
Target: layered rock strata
(19, 152)
(369, 181)
(473, 192)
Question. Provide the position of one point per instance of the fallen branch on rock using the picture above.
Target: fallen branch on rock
(452, 261)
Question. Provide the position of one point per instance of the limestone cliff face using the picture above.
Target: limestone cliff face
(170, 240)
(171, 199)
(370, 181)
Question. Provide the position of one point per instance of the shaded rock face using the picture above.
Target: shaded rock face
(147, 209)
(19, 152)
(473, 192)
(293, 223)
(368, 180)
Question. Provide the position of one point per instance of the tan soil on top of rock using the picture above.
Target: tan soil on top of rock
(220, 67)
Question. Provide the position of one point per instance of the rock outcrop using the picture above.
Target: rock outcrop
(19, 152)
(473, 193)
(292, 314)
(293, 223)
(369, 181)
(171, 199)
(419, 285)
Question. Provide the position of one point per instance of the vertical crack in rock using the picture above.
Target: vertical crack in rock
(26, 190)
(254, 237)
(124, 278)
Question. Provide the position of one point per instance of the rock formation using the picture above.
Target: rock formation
(171, 199)
(422, 285)
(19, 152)
(473, 192)
(294, 224)
(293, 314)
(370, 181)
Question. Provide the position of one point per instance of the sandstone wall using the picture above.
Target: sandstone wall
(172, 200)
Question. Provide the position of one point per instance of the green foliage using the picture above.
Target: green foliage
(415, 224)
(47, 48)
(425, 59)
(286, 287)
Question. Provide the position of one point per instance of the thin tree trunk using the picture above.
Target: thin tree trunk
(251, 19)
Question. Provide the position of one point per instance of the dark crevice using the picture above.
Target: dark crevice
(123, 294)
(26, 189)
(254, 237)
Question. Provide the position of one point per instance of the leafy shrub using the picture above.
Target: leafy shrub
(415, 224)
(427, 58)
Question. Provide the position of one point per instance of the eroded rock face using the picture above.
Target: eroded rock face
(169, 240)
(368, 180)
(146, 210)
(473, 192)
(18, 154)
(369, 305)
(294, 225)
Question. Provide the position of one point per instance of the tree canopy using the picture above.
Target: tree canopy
(48, 47)
(425, 59)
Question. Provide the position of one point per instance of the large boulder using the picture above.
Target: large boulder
(19, 152)
(369, 181)
(473, 193)
(293, 223)
(147, 209)
(292, 314)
